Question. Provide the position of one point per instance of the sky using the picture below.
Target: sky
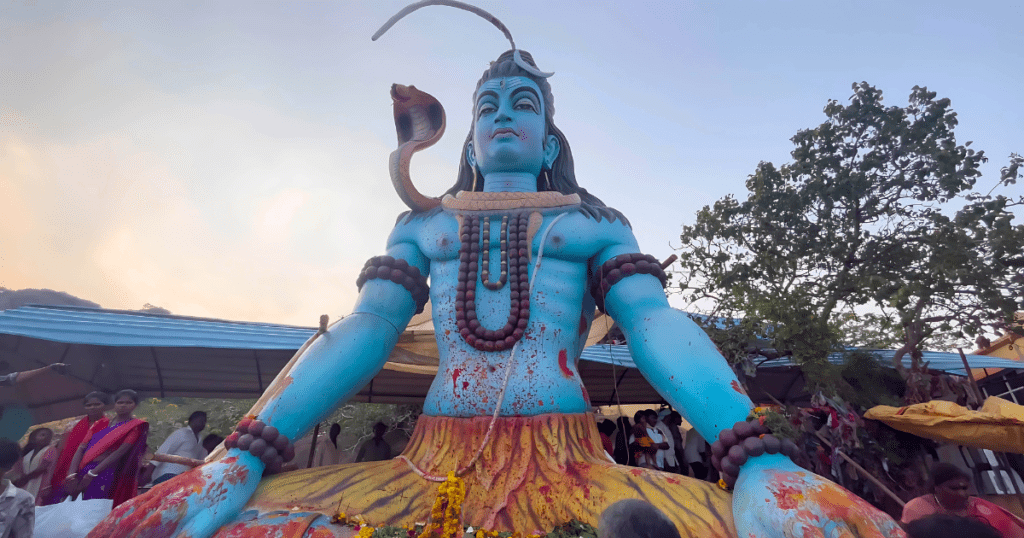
(229, 159)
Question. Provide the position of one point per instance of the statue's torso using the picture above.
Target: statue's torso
(544, 377)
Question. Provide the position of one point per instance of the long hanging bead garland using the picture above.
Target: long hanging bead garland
(515, 261)
(485, 275)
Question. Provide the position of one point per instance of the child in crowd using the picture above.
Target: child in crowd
(643, 446)
(17, 506)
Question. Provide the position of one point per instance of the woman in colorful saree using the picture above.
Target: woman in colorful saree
(94, 420)
(950, 496)
(107, 462)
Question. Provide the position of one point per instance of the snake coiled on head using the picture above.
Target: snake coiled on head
(420, 122)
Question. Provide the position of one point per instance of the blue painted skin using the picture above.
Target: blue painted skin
(675, 355)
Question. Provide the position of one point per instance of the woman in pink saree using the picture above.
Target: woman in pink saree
(107, 463)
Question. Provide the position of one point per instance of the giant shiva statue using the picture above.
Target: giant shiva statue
(517, 257)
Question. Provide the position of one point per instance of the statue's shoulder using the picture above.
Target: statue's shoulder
(597, 223)
(411, 225)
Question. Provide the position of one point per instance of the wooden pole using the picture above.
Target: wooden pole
(970, 375)
(180, 460)
(863, 471)
(312, 445)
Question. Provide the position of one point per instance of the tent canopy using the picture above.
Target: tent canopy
(166, 355)
(998, 425)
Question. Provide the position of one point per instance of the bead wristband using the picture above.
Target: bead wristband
(614, 270)
(400, 272)
(743, 441)
(262, 441)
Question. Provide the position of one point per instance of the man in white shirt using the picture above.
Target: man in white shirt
(667, 455)
(183, 442)
(696, 449)
(656, 436)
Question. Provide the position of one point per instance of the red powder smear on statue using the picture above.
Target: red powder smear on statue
(788, 497)
(583, 324)
(545, 489)
(586, 395)
(237, 477)
(736, 387)
(455, 380)
(563, 360)
(637, 472)
(465, 385)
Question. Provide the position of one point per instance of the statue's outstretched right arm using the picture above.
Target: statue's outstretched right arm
(335, 366)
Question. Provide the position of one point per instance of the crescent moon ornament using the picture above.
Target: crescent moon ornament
(420, 122)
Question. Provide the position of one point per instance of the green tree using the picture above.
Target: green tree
(872, 231)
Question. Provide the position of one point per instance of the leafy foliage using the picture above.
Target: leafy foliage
(872, 235)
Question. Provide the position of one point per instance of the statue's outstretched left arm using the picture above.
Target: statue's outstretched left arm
(773, 496)
(332, 368)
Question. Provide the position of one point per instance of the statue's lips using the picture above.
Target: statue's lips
(504, 131)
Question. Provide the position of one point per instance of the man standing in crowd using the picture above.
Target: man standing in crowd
(17, 506)
(668, 454)
(651, 422)
(376, 449)
(674, 420)
(695, 450)
(183, 442)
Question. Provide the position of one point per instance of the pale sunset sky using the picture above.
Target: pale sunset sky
(229, 159)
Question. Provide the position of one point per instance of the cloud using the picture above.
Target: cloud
(213, 202)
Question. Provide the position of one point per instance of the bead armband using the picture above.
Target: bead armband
(262, 441)
(614, 270)
(745, 440)
(400, 272)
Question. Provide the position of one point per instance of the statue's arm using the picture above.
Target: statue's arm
(344, 359)
(674, 354)
(681, 362)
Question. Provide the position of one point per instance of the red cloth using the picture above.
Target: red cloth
(609, 445)
(1007, 524)
(78, 434)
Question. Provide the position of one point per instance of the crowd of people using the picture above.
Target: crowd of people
(102, 457)
(98, 458)
(654, 440)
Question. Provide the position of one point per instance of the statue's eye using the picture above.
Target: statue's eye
(485, 108)
(526, 104)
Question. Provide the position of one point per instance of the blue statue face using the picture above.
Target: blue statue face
(509, 132)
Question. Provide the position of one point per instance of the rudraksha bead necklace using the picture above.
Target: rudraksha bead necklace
(514, 247)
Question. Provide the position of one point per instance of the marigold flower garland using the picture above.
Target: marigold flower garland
(447, 511)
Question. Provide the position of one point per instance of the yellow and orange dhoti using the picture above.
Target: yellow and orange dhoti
(534, 474)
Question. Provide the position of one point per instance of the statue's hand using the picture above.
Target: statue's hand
(194, 504)
(774, 498)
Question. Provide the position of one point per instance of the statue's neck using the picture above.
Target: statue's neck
(510, 182)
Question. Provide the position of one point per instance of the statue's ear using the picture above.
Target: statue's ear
(470, 155)
(551, 149)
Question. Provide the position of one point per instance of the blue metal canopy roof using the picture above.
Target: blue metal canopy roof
(167, 355)
(84, 325)
(937, 360)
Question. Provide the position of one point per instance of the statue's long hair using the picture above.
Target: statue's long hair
(562, 176)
